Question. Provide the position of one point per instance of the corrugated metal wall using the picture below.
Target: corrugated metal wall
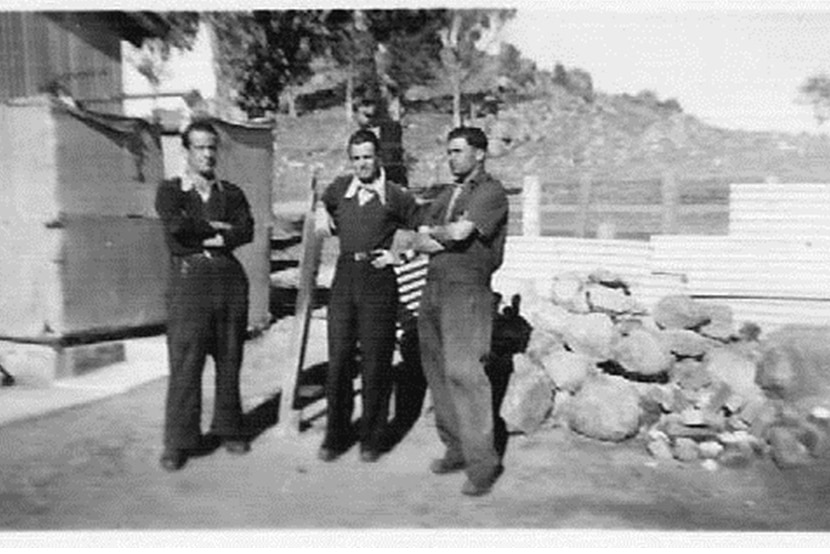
(797, 211)
(538, 259)
(771, 269)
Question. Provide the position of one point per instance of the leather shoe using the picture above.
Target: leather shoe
(369, 456)
(328, 454)
(237, 447)
(442, 466)
(480, 489)
(173, 460)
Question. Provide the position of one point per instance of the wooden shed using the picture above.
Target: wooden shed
(76, 52)
(83, 252)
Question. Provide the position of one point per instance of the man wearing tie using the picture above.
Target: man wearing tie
(464, 231)
(364, 210)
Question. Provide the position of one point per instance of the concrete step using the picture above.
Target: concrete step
(33, 394)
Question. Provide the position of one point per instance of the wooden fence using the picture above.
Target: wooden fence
(629, 208)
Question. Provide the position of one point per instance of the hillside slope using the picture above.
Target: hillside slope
(561, 138)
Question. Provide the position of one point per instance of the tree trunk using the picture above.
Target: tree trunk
(222, 98)
(457, 118)
(350, 92)
(291, 96)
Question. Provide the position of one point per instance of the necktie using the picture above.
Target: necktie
(453, 199)
(365, 194)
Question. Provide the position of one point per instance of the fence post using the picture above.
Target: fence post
(584, 203)
(607, 230)
(531, 226)
(670, 202)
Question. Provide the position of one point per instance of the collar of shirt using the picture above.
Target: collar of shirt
(189, 181)
(378, 186)
(471, 180)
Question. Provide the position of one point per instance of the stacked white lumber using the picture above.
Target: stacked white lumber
(771, 281)
(539, 259)
(780, 210)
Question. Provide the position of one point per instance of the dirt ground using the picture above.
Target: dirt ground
(95, 468)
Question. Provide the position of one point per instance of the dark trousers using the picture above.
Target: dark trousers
(455, 325)
(362, 313)
(207, 307)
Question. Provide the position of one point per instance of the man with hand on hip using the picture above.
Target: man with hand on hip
(364, 209)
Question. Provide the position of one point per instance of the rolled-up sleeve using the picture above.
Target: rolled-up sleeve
(487, 208)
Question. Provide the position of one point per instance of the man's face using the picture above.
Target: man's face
(201, 154)
(463, 158)
(364, 161)
(365, 115)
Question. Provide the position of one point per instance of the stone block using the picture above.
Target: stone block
(568, 370)
(660, 449)
(685, 449)
(684, 343)
(642, 352)
(710, 449)
(721, 325)
(690, 375)
(590, 334)
(733, 368)
(786, 449)
(612, 301)
(606, 408)
(794, 364)
(528, 401)
(679, 312)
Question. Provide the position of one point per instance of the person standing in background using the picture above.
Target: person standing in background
(369, 116)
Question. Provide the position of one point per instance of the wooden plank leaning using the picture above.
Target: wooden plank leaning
(290, 417)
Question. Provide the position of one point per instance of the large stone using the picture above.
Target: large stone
(721, 325)
(785, 447)
(609, 279)
(686, 449)
(690, 375)
(590, 334)
(612, 301)
(542, 344)
(568, 370)
(528, 400)
(795, 365)
(679, 312)
(736, 370)
(568, 290)
(660, 449)
(606, 408)
(684, 343)
(546, 316)
(642, 352)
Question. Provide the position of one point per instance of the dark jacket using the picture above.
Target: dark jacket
(186, 219)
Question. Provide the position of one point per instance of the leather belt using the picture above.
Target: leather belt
(206, 254)
(358, 256)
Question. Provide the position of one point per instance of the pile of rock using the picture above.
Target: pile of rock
(680, 377)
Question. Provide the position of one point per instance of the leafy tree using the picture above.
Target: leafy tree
(461, 54)
(815, 91)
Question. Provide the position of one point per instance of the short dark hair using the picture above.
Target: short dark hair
(361, 136)
(474, 136)
(366, 101)
(198, 125)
